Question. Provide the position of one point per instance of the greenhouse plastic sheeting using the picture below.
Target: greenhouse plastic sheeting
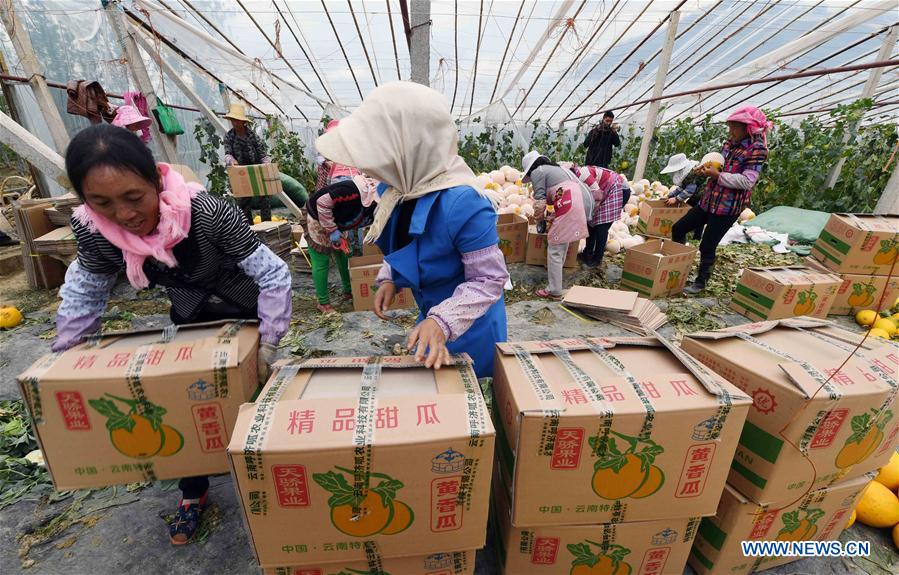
(803, 226)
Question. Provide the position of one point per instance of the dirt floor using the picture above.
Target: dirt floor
(124, 528)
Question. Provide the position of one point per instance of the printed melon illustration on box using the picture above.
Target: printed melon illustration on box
(139, 432)
(796, 529)
(376, 511)
(605, 560)
(867, 435)
(888, 252)
(625, 473)
(806, 304)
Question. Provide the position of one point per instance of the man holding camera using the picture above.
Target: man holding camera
(600, 141)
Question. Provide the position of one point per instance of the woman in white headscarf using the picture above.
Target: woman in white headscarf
(436, 229)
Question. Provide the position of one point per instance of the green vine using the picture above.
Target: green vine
(210, 144)
(289, 152)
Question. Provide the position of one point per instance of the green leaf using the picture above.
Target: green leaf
(617, 552)
(791, 520)
(338, 500)
(387, 490)
(333, 482)
(860, 423)
(884, 418)
(583, 555)
(105, 407)
(812, 515)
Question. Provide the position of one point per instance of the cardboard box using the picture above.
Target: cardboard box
(820, 515)
(535, 254)
(363, 275)
(859, 291)
(458, 563)
(779, 293)
(809, 424)
(296, 234)
(188, 174)
(645, 547)
(141, 406)
(254, 180)
(414, 443)
(859, 243)
(657, 218)
(513, 236)
(657, 268)
(633, 428)
(371, 250)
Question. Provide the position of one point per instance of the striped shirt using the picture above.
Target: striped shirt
(208, 259)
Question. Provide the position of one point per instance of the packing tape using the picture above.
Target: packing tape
(620, 370)
(823, 382)
(477, 424)
(594, 395)
(690, 530)
(715, 424)
(258, 432)
(364, 429)
(549, 404)
(758, 515)
(221, 357)
(373, 557)
(133, 372)
(37, 372)
(169, 333)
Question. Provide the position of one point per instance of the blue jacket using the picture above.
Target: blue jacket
(446, 224)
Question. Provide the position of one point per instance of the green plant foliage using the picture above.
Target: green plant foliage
(289, 152)
(210, 144)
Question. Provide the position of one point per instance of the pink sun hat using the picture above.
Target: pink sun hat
(128, 117)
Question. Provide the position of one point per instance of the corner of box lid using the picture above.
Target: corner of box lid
(758, 327)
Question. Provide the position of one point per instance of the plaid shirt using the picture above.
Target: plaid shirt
(748, 155)
(246, 150)
(607, 188)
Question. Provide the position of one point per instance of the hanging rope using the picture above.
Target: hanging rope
(396, 55)
(342, 50)
(371, 68)
(474, 79)
(506, 51)
(300, 44)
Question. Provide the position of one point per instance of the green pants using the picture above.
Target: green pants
(320, 266)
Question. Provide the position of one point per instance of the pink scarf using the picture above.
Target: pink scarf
(174, 225)
(755, 120)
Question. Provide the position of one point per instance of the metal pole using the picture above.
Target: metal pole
(889, 198)
(420, 44)
(116, 17)
(653, 112)
(22, 44)
(874, 75)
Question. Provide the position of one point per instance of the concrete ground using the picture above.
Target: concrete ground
(124, 529)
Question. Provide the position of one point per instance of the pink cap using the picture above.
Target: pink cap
(332, 124)
(128, 117)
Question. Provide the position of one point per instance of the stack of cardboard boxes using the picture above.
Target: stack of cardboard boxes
(373, 464)
(609, 452)
(862, 249)
(823, 416)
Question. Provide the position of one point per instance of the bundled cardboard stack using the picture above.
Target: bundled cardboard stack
(376, 462)
(609, 453)
(657, 268)
(823, 416)
(278, 236)
(783, 292)
(620, 308)
(141, 406)
(60, 243)
(363, 278)
(657, 218)
(862, 249)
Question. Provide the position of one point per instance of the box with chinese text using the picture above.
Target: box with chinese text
(346, 459)
(859, 243)
(512, 230)
(633, 428)
(457, 563)
(535, 254)
(820, 515)
(823, 408)
(657, 218)
(778, 293)
(643, 547)
(141, 406)
(363, 280)
(657, 268)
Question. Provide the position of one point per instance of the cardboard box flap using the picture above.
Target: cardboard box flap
(805, 274)
(711, 381)
(872, 222)
(598, 298)
(761, 327)
(138, 337)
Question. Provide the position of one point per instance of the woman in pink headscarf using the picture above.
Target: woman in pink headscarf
(729, 189)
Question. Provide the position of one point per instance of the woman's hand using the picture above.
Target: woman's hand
(711, 171)
(429, 337)
(672, 201)
(265, 357)
(384, 298)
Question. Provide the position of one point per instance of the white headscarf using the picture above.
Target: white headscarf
(678, 176)
(403, 135)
